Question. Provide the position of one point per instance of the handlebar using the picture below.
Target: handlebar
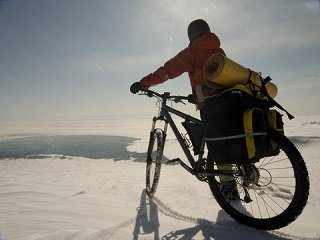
(166, 96)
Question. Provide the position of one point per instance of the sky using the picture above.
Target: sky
(76, 59)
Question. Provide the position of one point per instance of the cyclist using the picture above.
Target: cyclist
(203, 43)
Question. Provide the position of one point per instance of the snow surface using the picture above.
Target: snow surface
(85, 180)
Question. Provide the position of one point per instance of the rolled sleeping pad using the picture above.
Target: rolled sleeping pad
(224, 72)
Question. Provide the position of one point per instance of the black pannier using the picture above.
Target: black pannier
(195, 132)
(235, 128)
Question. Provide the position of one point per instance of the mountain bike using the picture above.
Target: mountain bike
(272, 192)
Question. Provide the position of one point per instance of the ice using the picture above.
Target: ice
(86, 180)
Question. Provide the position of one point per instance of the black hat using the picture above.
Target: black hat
(196, 28)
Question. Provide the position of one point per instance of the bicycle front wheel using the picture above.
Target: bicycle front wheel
(272, 192)
(154, 159)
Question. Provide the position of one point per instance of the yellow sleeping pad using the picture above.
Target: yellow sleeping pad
(222, 71)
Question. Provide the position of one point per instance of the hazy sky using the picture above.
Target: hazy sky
(76, 59)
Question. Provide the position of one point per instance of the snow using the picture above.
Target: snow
(85, 180)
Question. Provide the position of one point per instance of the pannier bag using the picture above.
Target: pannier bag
(236, 130)
(195, 132)
(274, 122)
(255, 131)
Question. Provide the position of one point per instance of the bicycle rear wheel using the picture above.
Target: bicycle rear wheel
(154, 159)
(273, 192)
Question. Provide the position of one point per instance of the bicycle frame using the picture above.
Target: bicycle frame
(164, 115)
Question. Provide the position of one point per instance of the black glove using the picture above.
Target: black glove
(191, 99)
(135, 87)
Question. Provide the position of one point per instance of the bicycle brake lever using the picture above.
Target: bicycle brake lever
(146, 93)
(140, 94)
(178, 99)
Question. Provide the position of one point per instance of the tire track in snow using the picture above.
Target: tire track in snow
(203, 223)
(167, 211)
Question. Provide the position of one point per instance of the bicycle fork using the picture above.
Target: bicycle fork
(152, 132)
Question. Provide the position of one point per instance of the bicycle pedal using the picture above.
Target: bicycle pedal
(175, 160)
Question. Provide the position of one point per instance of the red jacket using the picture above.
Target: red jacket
(191, 60)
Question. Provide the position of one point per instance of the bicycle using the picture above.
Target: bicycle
(272, 192)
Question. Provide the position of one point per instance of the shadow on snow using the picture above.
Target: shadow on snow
(147, 223)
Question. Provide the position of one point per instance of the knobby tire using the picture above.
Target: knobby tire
(154, 160)
(282, 197)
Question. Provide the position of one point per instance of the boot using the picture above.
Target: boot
(229, 190)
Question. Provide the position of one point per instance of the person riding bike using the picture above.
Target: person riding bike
(203, 43)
